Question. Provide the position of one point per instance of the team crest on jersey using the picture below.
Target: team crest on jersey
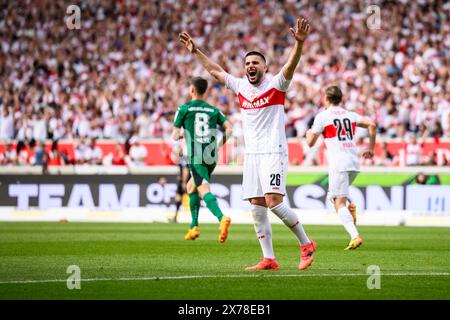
(269, 98)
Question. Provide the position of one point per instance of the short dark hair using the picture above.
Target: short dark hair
(334, 94)
(255, 53)
(200, 85)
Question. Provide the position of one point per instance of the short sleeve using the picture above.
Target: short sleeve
(317, 126)
(356, 117)
(222, 118)
(179, 115)
(232, 83)
(280, 82)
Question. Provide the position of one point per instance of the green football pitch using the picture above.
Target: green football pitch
(153, 261)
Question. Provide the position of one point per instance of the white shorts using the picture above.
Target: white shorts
(339, 182)
(264, 173)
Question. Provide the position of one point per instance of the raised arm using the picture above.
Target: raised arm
(213, 68)
(368, 123)
(300, 33)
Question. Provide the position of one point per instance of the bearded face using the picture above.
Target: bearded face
(255, 68)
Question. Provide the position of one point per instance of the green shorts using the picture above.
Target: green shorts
(201, 172)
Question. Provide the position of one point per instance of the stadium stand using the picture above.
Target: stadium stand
(119, 79)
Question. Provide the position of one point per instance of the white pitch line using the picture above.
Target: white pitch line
(394, 274)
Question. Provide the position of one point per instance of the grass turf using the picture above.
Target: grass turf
(43, 251)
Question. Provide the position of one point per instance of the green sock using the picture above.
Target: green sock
(211, 203)
(194, 204)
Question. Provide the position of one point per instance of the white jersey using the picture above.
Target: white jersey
(338, 128)
(262, 109)
(413, 154)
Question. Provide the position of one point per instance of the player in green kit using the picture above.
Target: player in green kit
(200, 121)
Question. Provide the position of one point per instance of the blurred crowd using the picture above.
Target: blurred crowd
(86, 152)
(123, 74)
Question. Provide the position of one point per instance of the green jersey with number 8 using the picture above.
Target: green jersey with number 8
(199, 120)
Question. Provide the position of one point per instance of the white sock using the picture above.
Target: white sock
(263, 230)
(290, 219)
(347, 221)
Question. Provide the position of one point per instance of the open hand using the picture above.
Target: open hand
(302, 30)
(186, 39)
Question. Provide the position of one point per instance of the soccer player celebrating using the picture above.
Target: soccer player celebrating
(199, 120)
(338, 128)
(265, 164)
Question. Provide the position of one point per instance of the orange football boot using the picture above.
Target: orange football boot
(223, 228)
(265, 264)
(192, 234)
(355, 243)
(307, 255)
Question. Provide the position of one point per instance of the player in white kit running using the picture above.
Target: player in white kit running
(338, 128)
(265, 165)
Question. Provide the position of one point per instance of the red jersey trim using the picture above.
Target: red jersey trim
(330, 131)
(269, 98)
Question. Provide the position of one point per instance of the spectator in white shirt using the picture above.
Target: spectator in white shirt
(93, 154)
(6, 125)
(39, 126)
(138, 153)
(143, 123)
(413, 152)
(81, 152)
